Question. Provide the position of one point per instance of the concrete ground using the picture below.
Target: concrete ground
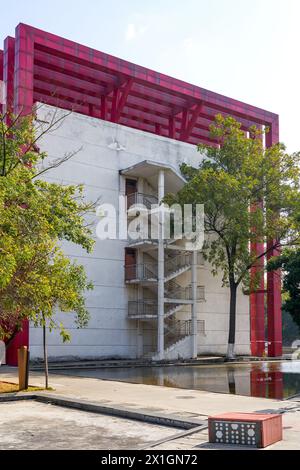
(179, 403)
(37, 426)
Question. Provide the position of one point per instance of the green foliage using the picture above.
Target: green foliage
(237, 175)
(289, 262)
(35, 216)
(250, 195)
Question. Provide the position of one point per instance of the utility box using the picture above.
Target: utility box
(248, 429)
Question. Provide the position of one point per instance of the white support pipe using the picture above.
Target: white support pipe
(140, 340)
(140, 331)
(194, 306)
(161, 270)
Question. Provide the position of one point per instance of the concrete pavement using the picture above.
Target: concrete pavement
(189, 404)
(34, 426)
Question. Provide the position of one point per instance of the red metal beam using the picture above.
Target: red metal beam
(91, 87)
(103, 107)
(130, 118)
(88, 93)
(172, 129)
(184, 122)
(115, 99)
(85, 64)
(123, 92)
(50, 63)
(91, 92)
(76, 101)
(84, 56)
(189, 120)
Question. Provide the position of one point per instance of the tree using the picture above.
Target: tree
(235, 176)
(36, 278)
(289, 262)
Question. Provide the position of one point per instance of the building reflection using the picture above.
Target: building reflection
(267, 384)
(275, 380)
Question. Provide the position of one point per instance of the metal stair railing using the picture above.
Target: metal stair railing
(141, 272)
(176, 330)
(171, 309)
(173, 290)
(149, 308)
(177, 262)
(142, 308)
(146, 200)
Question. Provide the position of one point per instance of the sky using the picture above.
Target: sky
(247, 50)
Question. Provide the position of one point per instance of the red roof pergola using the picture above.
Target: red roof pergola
(39, 66)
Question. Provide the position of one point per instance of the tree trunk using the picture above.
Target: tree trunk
(232, 321)
(45, 357)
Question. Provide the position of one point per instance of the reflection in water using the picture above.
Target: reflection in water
(231, 381)
(275, 380)
(267, 384)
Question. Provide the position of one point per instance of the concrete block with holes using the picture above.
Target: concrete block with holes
(249, 429)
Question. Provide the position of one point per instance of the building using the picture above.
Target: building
(135, 127)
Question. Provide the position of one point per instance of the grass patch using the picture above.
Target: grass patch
(7, 387)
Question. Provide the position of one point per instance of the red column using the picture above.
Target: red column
(257, 299)
(257, 306)
(8, 73)
(274, 281)
(18, 78)
(21, 339)
(23, 78)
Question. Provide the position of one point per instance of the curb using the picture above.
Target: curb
(94, 407)
(124, 365)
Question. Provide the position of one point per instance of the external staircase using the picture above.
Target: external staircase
(143, 276)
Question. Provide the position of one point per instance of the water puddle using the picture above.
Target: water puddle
(275, 380)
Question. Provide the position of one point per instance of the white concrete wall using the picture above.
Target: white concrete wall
(214, 311)
(180, 350)
(97, 166)
(2, 93)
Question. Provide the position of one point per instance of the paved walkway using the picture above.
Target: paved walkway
(33, 426)
(171, 401)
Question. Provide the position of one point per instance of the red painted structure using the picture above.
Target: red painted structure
(21, 339)
(41, 67)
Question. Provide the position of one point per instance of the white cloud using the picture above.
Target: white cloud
(130, 32)
(133, 31)
(188, 45)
